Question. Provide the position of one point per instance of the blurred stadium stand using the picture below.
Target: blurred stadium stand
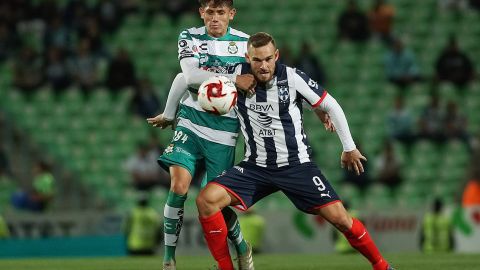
(89, 139)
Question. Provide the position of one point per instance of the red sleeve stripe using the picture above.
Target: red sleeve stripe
(320, 100)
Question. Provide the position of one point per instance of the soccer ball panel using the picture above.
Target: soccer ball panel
(217, 95)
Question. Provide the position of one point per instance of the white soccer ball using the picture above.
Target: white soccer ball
(217, 95)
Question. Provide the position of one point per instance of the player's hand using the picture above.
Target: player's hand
(246, 83)
(327, 122)
(353, 161)
(160, 121)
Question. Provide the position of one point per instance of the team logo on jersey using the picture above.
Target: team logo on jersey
(182, 43)
(232, 47)
(313, 84)
(169, 149)
(283, 93)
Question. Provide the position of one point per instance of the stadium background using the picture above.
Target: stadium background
(88, 139)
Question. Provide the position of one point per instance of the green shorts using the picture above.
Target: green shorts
(186, 149)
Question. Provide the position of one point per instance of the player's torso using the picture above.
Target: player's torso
(267, 108)
(271, 121)
(223, 54)
(219, 55)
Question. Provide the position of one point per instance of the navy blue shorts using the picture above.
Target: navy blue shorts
(303, 184)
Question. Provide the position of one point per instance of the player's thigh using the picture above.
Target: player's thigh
(306, 187)
(247, 183)
(182, 151)
(218, 159)
(216, 195)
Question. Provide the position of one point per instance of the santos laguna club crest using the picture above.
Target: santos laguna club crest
(283, 93)
(232, 47)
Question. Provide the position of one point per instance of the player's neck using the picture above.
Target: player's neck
(267, 84)
(213, 35)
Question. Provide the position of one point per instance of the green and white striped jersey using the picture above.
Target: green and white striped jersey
(219, 55)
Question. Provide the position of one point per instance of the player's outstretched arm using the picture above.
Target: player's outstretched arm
(177, 90)
(330, 106)
(328, 109)
(351, 157)
(352, 160)
(160, 121)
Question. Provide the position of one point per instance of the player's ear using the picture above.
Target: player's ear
(277, 54)
(201, 11)
(247, 58)
(232, 13)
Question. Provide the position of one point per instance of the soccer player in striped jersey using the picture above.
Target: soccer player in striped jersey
(278, 156)
(203, 52)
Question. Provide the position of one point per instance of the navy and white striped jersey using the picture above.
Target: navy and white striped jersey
(271, 119)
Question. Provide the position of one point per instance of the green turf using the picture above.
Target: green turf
(262, 262)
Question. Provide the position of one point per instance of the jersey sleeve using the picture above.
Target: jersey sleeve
(186, 46)
(242, 68)
(309, 90)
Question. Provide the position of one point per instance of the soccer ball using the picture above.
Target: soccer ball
(217, 95)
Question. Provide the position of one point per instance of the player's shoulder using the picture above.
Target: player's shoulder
(192, 32)
(239, 34)
(301, 78)
(244, 68)
(298, 73)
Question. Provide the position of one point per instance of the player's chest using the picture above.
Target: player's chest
(273, 102)
(221, 48)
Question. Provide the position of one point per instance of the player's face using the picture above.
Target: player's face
(216, 19)
(262, 60)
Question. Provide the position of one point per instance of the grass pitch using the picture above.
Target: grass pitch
(262, 262)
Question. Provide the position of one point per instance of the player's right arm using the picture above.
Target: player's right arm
(194, 75)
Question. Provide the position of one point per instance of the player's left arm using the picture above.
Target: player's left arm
(326, 120)
(322, 102)
(314, 86)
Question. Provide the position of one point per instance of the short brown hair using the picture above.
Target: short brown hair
(260, 39)
(216, 3)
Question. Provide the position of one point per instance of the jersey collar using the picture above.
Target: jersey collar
(224, 37)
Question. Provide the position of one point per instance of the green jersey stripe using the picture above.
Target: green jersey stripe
(224, 38)
(215, 60)
(209, 120)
